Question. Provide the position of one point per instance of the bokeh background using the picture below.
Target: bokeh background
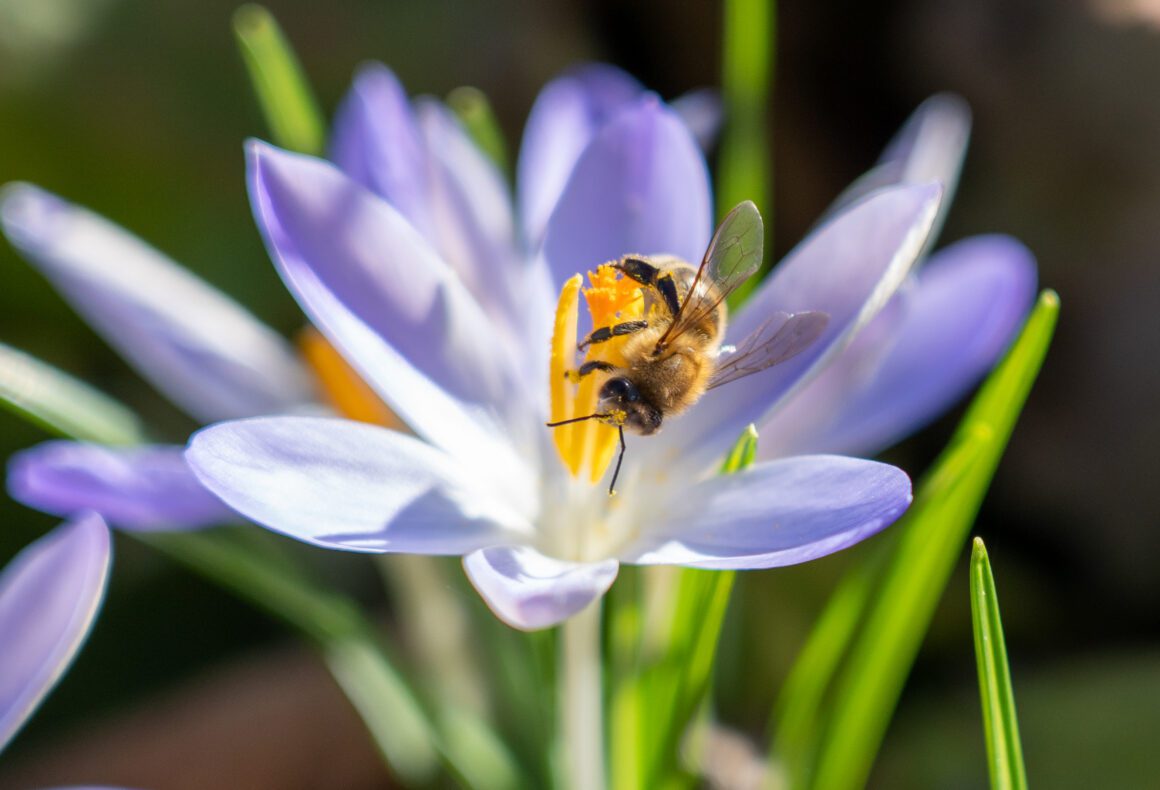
(138, 110)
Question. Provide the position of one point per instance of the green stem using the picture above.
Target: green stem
(581, 703)
(435, 626)
(744, 169)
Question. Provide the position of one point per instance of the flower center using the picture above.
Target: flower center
(587, 447)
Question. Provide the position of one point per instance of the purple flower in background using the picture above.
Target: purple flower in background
(408, 258)
(194, 344)
(49, 597)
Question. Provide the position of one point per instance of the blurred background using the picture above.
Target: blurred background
(138, 111)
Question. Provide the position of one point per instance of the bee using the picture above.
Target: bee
(674, 355)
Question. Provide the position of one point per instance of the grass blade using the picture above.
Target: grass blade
(930, 539)
(743, 167)
(796, 718)
(287, 102)
(1000, 724)
(478, 118)
(59, 403)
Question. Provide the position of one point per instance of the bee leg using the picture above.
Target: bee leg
(619, 460)
(646, 274)
(589, 367)
(606, 333)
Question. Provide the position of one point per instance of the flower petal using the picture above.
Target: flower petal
(848, 268)
(702, 112)
(641, 187)
(348, 485)
(529, 591)
(962, 311)
(472, 212)
(566, 115)
(776, 513)
(377, 142)
(49, 596)
(135, 488)
(420, 160)
(195, 344)
(929, 147)
(379, 292)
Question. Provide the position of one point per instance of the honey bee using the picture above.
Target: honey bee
(673, 356)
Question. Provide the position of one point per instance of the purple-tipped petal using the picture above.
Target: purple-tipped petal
(379, 292)
(848, 268)
(49, 595)
(930, 146)
(953, 323)
(529, 591)
(569, 111)
(776, 513)
(377, 142)
(421, 161)
(641, 187)
(932, 143)
(135, 488)
(347, 485)
(195, 344)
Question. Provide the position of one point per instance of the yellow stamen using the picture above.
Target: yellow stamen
(611, 299)
(561, 391)
(342, 387)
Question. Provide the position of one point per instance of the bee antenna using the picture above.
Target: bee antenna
(619, 459)
(575, 419)
(623, 447)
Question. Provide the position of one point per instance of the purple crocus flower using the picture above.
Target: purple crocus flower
(197, 346)
(49, 597)
(410, 263)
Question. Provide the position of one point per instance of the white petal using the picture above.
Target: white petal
(529, 591)
(394, 309)
(199, 347)
(351, 486)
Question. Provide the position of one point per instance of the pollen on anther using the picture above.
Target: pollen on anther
(562, 364)
(588, 446)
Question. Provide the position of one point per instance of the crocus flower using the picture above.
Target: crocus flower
(49, 595)
(448, 315)
(197, 346)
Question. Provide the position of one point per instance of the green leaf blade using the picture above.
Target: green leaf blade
(54, 400)
(929, 540)
(474, 111)
(288, 104)
(796, 717)
(747, 71)
(1000, 723)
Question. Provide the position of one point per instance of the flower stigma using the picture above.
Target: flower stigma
(587, 447)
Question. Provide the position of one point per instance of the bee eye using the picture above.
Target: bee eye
(619, 388)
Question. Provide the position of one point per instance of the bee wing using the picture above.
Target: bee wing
(782, 337)
(733, 256)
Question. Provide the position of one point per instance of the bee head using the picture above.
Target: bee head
(620, 394)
